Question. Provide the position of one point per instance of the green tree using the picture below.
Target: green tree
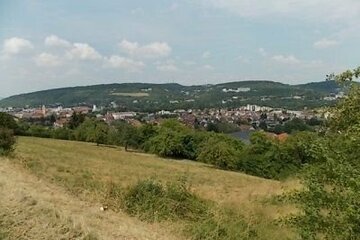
(220, 150)
(7, 121)
(219, 154)
(167, 143)
(62, 133)
(76, 120)
(330, 198)
(39, 131)
(7, 141)
(85, 130)
(98, 133)
(296, 124)
(124, 134)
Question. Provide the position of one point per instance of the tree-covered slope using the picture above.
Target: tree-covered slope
(146, 96)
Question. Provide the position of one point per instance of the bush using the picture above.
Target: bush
(153, 201)
(39, 131)
(330, 197)
(219, 154)
(7, 121)
(167, 143)
(7, 141)
(225, 224)
(62, 133)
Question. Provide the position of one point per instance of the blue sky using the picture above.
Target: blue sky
(49, 44)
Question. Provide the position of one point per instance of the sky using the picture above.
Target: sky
(50, 43)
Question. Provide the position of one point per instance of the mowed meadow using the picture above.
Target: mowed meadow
(87, 173)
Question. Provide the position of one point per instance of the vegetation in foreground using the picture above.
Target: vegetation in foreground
(328, 199)
(7, 137)
(115, 177)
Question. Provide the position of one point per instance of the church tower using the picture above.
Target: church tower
(43, 110)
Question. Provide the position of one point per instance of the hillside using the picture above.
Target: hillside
(63, 187)
(152, 97)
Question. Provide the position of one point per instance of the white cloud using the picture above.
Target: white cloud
(152, 50)
(83, 51)
(47, 59)
(325, 43)
(174, 7)
(262, 52)
(189, 63)
(138, 11)
(208, 67)
(167, 68)
(16, 45)
(242, 59)
(344, 11)
(206, 54)
(55, 41)
(290, 59)
(124, 63)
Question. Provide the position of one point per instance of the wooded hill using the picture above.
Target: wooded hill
(152, 97)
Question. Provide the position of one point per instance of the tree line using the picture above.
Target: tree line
(264, 156)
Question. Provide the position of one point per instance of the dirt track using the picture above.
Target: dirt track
(34, 209)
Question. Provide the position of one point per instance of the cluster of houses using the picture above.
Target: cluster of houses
(251, 114)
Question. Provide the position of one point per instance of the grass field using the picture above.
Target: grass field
(84, 170)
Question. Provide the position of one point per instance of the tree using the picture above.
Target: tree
(220, 150)
(212, 127)
(146, 131)
(76, 120)
(126, 135)
(62, 133)
(129, 136)
(7, 141)
(219, 154)
(330, 198)
(99, 133)
(7, 121)
(167, 143)
(295, 124)
(263, 125)
(92, 130)
(84, 130)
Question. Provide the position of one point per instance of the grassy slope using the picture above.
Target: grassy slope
(84, 169)
(31, 208)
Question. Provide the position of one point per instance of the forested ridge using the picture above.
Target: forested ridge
(153, 97)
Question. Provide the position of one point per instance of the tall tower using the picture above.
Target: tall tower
(43, 110)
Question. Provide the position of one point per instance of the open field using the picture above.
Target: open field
(71, 178)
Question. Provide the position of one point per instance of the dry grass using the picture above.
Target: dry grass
(84, 169)
(138, 94)
(31, 208)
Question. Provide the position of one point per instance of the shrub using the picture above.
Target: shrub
(219, 154)
(7, 121)
(167, 143)
(7, 141)
(153, 201)
(223, 224)
(62, 133)
(39, 131)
